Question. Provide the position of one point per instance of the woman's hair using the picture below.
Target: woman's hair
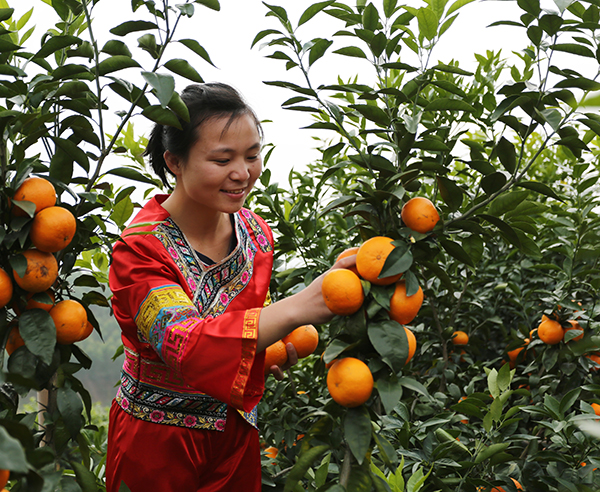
(204, 102)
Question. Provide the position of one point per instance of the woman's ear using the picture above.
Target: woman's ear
(173, 162)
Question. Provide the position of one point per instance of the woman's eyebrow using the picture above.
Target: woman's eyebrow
(256, 146)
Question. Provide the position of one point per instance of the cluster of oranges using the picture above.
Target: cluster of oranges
(349, 380)
(305, 339)
(52, 229)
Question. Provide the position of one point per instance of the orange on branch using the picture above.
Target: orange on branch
(420, 215)
(403, 308)
(39, 191)
(460, 338)
(512, 356)
(575, 326)
(275, 355)
(596, 359)
(304, 339)
(342, 292)
(350, 382)
(550, 331)
(4, 476)
(345, 254)
(70, 319)
(596, 408)
(52, 229)
(42, 271)
(271, 452)
(6, 288)
(15, 340)
(371, 257)
(89, 328)
(412, 344)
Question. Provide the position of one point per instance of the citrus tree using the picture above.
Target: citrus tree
(63, 203)
(491, 385)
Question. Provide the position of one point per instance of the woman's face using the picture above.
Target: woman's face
(222, 165)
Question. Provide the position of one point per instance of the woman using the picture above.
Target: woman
(190, 282)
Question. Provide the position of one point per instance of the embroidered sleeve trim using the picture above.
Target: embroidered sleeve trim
(261, 237)
(165, 320)
(249, 337)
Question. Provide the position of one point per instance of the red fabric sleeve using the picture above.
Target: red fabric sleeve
(152, 303)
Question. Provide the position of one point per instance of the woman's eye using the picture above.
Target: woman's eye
(222, 161)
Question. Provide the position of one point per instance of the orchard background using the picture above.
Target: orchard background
(507, 152)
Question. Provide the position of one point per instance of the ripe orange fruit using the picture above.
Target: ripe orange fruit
(575, 326)
(342, 292)
(595, 358)
(275, 355)
(52, 229)
(36, 190)
(70, 319)
(596, 408)
(304, 339)
(271, 452)
(350, 382)
(419, 214)
(403, 308)
(89, 328)
(6, 288)
(14, 340)
(460, 338)
(42, 270)
(371, 257)
(550, 331)
(412, 344)
(512, 356)
(345, 254)
(4, 476)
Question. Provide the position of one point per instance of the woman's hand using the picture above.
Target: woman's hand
(292, 360)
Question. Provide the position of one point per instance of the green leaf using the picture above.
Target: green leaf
(458, 4)
(506, 202)
(8, 46)
(6, 13)
(56, 43)
(115, 47)
(116, 63)
(73, 151)
(390, 392)
(132, 174)
(195, 46)
(122, 211)
(370, 18)
(313, 10)
(451, 69)
(70, 407)
(490, 451)
(579, 83)
(568, 400)
(373, 113)
(183, 68)
(456, 251)
(414, 385)
(451, 193)
(132, 26)
(551, 23)
(574, 49)
(85, 478)
(351, 51)
(492, 183)
(317, 50)
(211, 4)
(428, 23)
(390, 341)
(163, 85)
(398, 261)
(504, 378)
(540, 188)
(158, 114)
(304, 462)
(448, 104)
(147, 42)
(507, 154)
(12, 455)
(492, 380)
(357, 431)
(39, 333)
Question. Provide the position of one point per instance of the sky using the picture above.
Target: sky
(227, 36)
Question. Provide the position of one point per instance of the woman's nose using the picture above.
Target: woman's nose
(241, 170)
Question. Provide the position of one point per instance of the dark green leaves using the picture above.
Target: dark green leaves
(357, 429)
(12, 456)
(195, 46)
(132, 26)
(390, 341)
(70, 407)
(39, 333)
(183, 68)
(116, 63)
(163, 85)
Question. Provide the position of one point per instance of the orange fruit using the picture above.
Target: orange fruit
(512, 356)
(328, 364)
(271, 452)
(403, 308)
(550, 331)
(42, 270)
(14, 340)
(575, 326)
(412, 344)
(70, 319)
(275, 355)
(89, 328)
(596, 408)
(33, 304)
(345, 254)
(6, 288)
(460, 338)
(595, 358)
(4, 476)
(304, 339)
(39, 191)
(371, 257)
(342, 292)
(419, 214)
(52, 229)
(350, 382)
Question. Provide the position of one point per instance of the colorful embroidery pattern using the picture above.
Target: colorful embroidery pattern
(249, 336)
(259, 234)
